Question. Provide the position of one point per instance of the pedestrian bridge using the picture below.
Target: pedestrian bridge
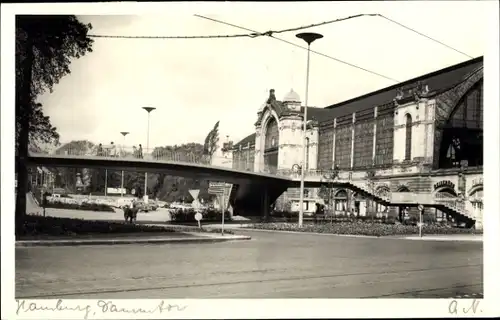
(181, 164)
(255, 188)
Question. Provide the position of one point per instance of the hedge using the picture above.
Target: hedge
(364, 228)
(187, 215)
(52, 226)
(285, 216)
(37, 225)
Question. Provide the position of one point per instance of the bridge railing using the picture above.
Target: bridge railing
(196, 157)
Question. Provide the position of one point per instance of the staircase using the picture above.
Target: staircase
(366, 191)
(446, 203)
(455, 207)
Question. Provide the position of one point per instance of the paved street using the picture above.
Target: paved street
(271, 265)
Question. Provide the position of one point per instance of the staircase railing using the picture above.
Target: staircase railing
(452, 202)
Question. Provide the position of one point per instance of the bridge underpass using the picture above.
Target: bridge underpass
(253, 191)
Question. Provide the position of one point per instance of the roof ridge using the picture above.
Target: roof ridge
(407, 82)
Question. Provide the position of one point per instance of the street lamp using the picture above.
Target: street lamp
(124, 133)
(308, 37)
(148, 109)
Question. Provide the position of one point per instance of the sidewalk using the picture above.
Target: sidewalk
(189, 237)
(450, 237)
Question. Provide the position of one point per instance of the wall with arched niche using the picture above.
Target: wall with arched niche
(474, 203)
(380, 209)
(341, 203)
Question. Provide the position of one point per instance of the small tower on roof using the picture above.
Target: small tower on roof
(292, 101)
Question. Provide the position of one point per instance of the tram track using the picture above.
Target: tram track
(303, 278)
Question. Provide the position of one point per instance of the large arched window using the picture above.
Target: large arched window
(272, 135)
(271, 143)
(408, 137)
(462, 139)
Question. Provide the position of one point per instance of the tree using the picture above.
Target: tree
(211, 142)
(41, 130)
(45, 46)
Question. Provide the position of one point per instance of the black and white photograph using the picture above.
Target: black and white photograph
(292, 150)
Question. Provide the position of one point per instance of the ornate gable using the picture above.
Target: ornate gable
(411, 93)
(274, 105)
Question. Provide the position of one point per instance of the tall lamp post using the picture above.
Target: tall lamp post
(148, 109)
(124, 133)
(308, 37)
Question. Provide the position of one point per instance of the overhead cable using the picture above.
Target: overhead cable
(302, 47)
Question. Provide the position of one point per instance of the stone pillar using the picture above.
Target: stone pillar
(334, 143)
(247, 163)
(352, 138)
(375, 111)
(478, 214)
(265, 204)
(258, 150)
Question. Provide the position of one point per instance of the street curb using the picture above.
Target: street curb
(312, 233)
(431, 238)
(425, 238)
(87, 242)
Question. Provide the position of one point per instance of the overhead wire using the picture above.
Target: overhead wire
(269, 34)
(424, 35)
(171, 37)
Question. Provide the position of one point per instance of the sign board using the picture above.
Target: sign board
(198, 216)
(219, 188)
(216, 187)
(196, 204)
(194, 193)
(420, 207)
(411, 198)
(223, 201)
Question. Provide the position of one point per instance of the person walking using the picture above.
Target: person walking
(113, 150)
(99, 150)
(140, 151)
(135, 152)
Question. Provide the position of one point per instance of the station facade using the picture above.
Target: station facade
(423, 135)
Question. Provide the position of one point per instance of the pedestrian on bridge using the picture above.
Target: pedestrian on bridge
(112, 150)
(99, 150)
(140, 151)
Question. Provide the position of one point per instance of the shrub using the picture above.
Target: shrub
(83, 206)
(365, 228)
(209, 215)
(36, 225)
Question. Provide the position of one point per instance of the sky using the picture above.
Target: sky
(195, 83)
